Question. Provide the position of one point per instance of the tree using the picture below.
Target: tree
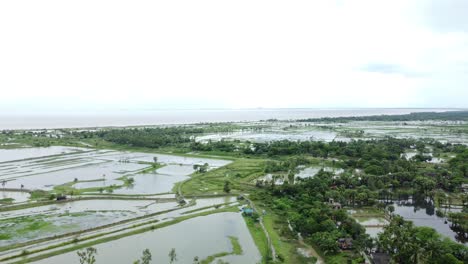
(172, 255)
(399, 240)
(155, 162)
(227, 188)
(87, 256)
(3, 184)
(291, 177)
(145, 259)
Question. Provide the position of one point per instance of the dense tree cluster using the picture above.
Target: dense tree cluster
(422, 116)
(307, 207)
(409, 244)
(147, 137)
(380, 163)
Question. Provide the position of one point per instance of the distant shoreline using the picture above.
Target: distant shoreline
(86, 120)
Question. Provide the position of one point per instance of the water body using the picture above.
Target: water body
(422, 213)
(18, 197)
(27, 153)
(27, 120)
(212, 239)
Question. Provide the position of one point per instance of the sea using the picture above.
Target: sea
(121, 118)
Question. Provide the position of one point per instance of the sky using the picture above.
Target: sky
(134, 55)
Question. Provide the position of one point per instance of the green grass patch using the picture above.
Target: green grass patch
(236, 250)
(259, 237)
(238, 173)
(236, 246)
(5, 236)
(6, 200)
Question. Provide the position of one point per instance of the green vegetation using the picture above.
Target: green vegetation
(371, 175)
(421, 116)
(23, 225)
(149, 226)
(409, 244)
(6, 200)
(259, 237)
(240, 173)
(236, 250)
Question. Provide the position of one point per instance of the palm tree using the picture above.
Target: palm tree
(87, 256)
(172, 255)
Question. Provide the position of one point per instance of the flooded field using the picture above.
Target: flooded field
(423, 214)
(97, 168)
(272, 135)
(210, 241)
(18, 197)
(46, 169)
(28, 153)
(373, 221)
(70, 196)
(303, 131)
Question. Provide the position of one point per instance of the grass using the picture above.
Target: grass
(283, 248)
(238, 173)
(23, 225)
(259, 237)
(236, 250)
(206, 207)
(236, 246)
(6, 200)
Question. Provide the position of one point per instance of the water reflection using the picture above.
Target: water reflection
(422, 212)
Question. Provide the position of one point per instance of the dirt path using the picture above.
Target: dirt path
(270, 244)
(310, 250)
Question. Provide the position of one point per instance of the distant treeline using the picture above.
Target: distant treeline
(423, 116)
(146, 137)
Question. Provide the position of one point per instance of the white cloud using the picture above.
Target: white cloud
(202, 54)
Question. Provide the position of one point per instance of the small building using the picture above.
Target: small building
(247, 211)
(61, 198)
(336, 206)
(345, 243)
(333, 204)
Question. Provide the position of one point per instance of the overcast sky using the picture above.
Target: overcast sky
(78, 55)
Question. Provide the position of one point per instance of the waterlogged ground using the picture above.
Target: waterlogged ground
(272, 135)
(373, 221)
(200, 236)
(444, 131)
(304, 172)
(150, 199)
(27, 153)
(46, 221)
(18, 197)
(97, 168)
(159, 181)
(424, 215)
(32, 227)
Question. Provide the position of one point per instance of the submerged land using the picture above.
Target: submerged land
(314, 190)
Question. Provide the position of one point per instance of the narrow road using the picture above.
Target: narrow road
(270, 244)
(309, 248)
